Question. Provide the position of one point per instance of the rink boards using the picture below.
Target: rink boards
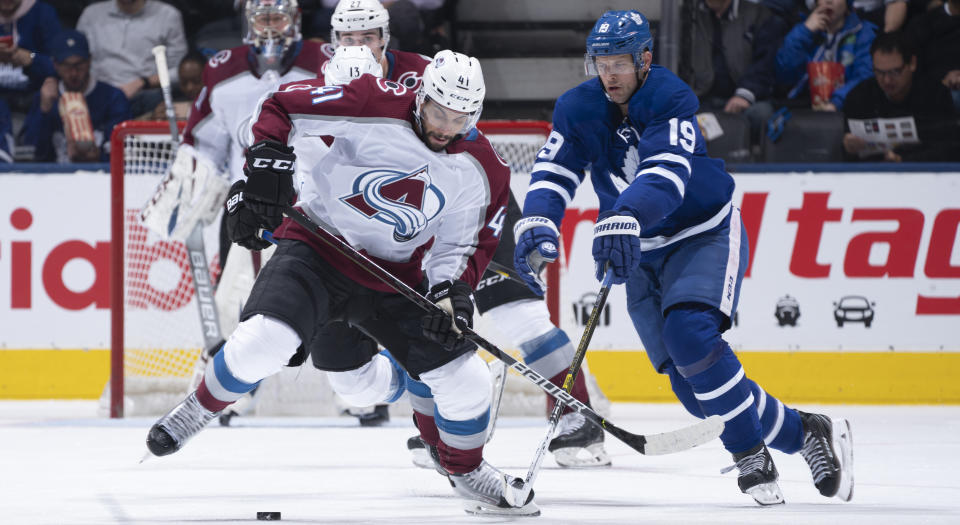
(845, 247)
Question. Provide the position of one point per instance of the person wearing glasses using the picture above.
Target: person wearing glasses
(897, 90)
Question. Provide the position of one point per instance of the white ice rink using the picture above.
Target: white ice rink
(59, 463)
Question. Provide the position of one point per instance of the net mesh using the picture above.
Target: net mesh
(162, 337)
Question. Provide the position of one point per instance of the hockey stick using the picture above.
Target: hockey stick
(196, 251)
(500, 382)
(650, 444)
(581, 352)
(509, 273)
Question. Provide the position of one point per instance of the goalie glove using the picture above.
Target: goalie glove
(191, 193)
(243, 225)
(269, 171)
(453, 297)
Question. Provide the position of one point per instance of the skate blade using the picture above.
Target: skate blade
(146, 455)
(842, 438)
(476, 508)
(421, 458)
(591, 456)
(766, 494)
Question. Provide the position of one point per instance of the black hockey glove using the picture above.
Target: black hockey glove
(243, 226)
(269, 171)
(454, 299)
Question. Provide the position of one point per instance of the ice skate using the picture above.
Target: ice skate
(578, 443)
(828, 450)
(758, 475)
(424, 455)
(173, 430)
(378, 415)
(489, 492)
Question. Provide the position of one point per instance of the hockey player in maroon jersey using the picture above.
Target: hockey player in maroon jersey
(409, 181)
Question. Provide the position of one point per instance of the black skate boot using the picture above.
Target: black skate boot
(488, 491)
(758, 475)
(828, 450)
(578, 443)
(171, 431)
(424, 455)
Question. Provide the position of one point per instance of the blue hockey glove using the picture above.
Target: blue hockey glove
(616, 239)
(537, 240)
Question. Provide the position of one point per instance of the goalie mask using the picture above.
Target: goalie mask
(453, 81)
(360, 15)
(349, 63)
(273, 27)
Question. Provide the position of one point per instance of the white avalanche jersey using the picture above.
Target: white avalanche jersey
(220, 118)
(381, 189)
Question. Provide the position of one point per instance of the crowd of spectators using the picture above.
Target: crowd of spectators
(878, 59)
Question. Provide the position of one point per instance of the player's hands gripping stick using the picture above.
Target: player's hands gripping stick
(453, 297)
(616, 240)
(269, 171)
(537, 240)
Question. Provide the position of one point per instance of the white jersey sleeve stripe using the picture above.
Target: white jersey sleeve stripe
(547, 185)
(670, 157)
(558, 170)
(667, 174)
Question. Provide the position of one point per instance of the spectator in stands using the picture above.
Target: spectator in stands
(27, 31)
(897, 91)
(833, 33)
(889, 15)
(186, 90)
(68, 11)
(107, 106)
(936, 34)
(6, 134)
(122, 34)
(735, 73)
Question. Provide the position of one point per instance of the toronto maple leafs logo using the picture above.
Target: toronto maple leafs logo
(405, 200)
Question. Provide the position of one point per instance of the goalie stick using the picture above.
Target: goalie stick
(196, 251)
(650, 444)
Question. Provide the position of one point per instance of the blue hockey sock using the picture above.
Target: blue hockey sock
(782, 429)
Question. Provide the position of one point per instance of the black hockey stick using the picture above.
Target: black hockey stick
(581, 352)
(650, 444)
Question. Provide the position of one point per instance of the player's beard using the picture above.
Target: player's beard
(431, 138)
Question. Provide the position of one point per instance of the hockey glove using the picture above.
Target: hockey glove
(269, 171)
(453, 297)
(537, 240)
(243, 226)
(616, 239)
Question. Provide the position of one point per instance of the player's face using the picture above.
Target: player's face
(619, 76)
(271, 24)
(440, 124)
(370, 38)
(894, 76)
(74, 72)
(191, 78)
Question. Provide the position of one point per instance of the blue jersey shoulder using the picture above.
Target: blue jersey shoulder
(663, 96)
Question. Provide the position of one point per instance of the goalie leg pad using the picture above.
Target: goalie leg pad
(381, 380)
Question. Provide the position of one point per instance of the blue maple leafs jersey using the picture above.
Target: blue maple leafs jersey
(652, 164)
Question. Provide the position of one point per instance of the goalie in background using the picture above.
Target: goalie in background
(71, 120)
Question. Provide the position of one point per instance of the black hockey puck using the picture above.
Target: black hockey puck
(268, 516)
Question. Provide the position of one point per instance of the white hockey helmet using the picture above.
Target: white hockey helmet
(348, 63)
(272, 27)
(359, 15)
(454, 81)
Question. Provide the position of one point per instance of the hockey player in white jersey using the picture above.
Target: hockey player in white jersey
(670, 233)
(406, 174)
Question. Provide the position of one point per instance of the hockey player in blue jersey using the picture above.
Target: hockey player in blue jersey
(669, 231)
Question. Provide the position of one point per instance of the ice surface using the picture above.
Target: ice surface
(59, 463)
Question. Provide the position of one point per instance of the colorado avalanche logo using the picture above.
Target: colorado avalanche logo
(406, 201)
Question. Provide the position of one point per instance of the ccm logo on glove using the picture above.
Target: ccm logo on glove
(276, 164)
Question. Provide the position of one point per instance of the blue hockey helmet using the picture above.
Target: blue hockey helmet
(618, 33)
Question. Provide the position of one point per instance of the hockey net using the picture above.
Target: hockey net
(155, 325)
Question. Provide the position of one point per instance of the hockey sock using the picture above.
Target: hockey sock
(782, 429)
(579, 391)
(219, 387)
(427, 427)
(691, 333)
(683, 391)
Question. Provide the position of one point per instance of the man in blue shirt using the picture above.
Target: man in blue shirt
(43, 127)
(669, 231)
